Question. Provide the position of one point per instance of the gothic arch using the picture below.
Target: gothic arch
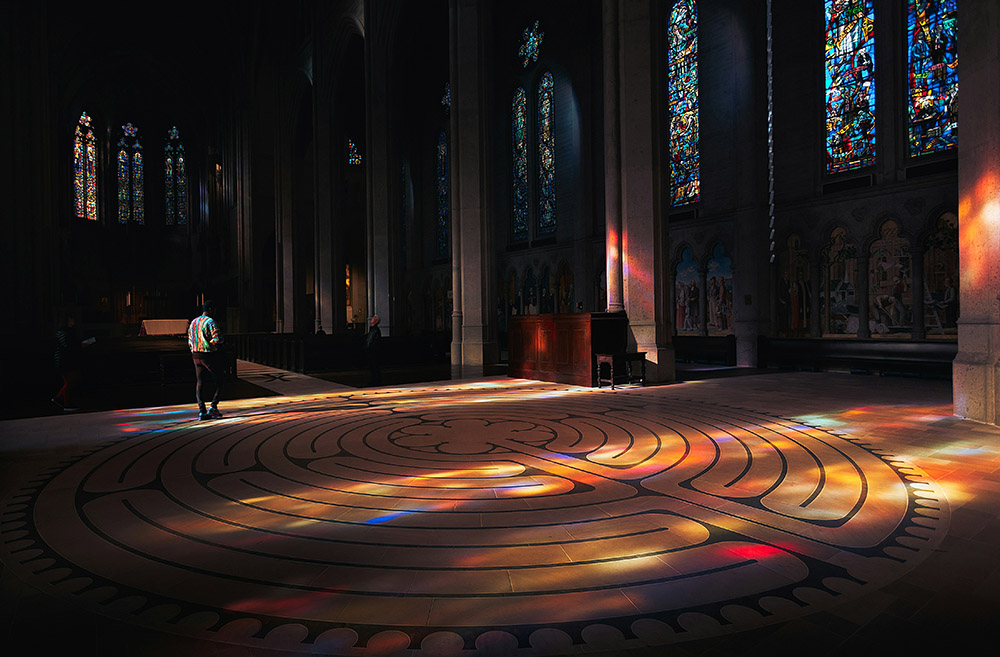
(679, 254)
(930, 223)
(890, 277)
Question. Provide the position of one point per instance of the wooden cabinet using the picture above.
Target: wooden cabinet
(561, 347)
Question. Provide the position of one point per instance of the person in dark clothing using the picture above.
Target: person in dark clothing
(373, 351)
(69, 364)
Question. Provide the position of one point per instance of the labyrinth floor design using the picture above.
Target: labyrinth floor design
(509, 517)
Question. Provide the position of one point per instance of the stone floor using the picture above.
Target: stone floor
(779, 513)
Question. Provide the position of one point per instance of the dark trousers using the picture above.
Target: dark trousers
(374, 369)
(208, 365)
(67, 394)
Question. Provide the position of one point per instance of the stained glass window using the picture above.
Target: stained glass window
(682, 100)
(519, 131)
(532, 44)
(180, 176)
(138, 200)
(175, 179)
(353, 156)
(123, 183)
(932, 43)
(85, 169)
(131, 201)
(546, 157)
(446, 98)
(443, 200)
(168, 181)
(850, 84)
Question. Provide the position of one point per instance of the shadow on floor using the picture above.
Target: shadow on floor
(35, 402)
(701, 371)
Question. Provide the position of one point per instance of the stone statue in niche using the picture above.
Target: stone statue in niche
(890, 280)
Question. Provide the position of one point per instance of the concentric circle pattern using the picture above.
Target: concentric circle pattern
(505, 517)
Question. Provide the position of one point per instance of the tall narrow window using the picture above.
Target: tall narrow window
(850, 84)
(353, 156)
(85, 169)
(519, 128)
(175, 179)
(546, 157)
(124, 192)
(932, 45)
(443, 200)
(170, 191)
(682, 101)
(131, 200)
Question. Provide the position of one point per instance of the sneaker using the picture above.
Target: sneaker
(204, 416)
(214, 413)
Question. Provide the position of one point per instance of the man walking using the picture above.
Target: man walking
(205, 342)
(373, 350)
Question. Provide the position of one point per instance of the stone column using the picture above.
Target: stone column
(612, 159)
(323, 204)
(644, 236)
(473, 339)
(244, 223)
(284, 229)
(815, 290)
(919, 330)
(975, 368)
(703, 302)
(862, 293)
(377, 160)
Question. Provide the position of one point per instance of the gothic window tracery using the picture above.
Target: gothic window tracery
(546, 157)
(85, 169)
(519, 127)
(131, 198)
(175, 179)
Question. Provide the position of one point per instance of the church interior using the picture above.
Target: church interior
(689, 327)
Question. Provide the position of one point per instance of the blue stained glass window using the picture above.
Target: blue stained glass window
(138, 199)
(175, 179)
(850, 84)
(353, 156)
(131, 199)
(444, 202)
(168, 180)
(932, 44)
(532, 44)
(124, 193)
(546, 157)
(682, 101)
(181, 177)
(85, 169)
(519, 132)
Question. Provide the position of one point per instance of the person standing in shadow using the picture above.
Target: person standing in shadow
(373, 350)
(205, 342)
(69, 364)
